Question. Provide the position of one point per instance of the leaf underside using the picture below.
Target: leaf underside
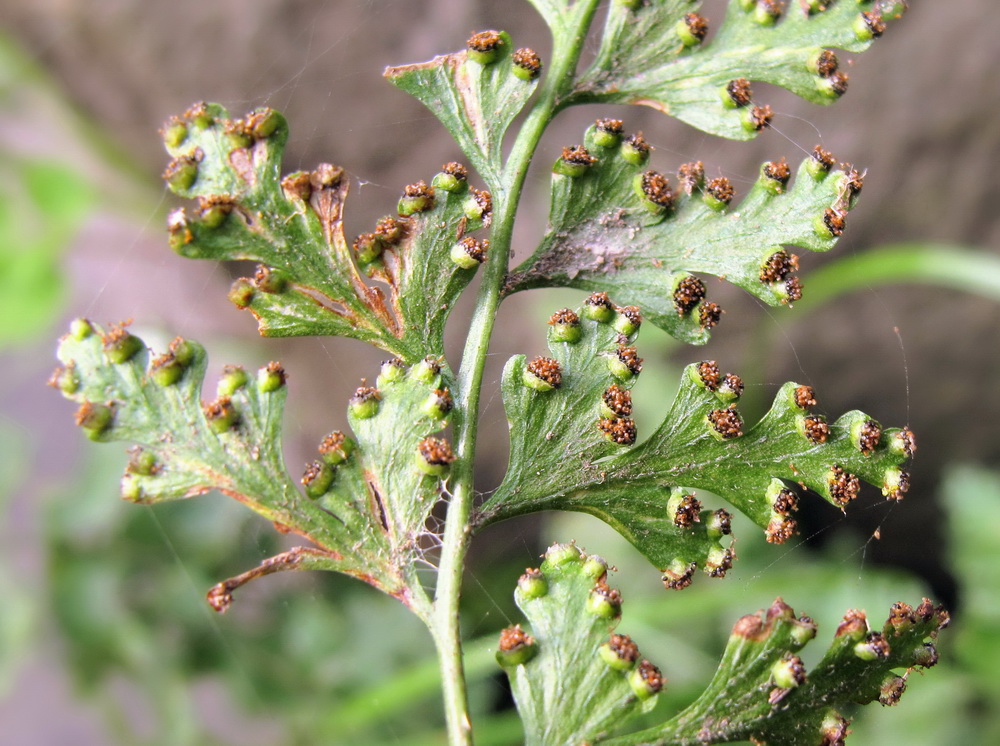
(312, 282)
(761, 690)
(475, 102)
(368, 502)
(603, 235)
(643, 60)
(563, 456)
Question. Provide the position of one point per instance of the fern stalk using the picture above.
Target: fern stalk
(446, 624)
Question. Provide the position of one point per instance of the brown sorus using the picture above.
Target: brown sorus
(578, 155)
(710, 375)
(844, 486)
(528, 60)
(805, 397)
(620, 430)
(546, 369)
(689, 292)
(485, 41)
(630, 357)
(678, 581)
(691, 176)
(739, 91)
(709, 315)
(611, 126)
(656, 188)
(778, 266)
(436, 451)
(726, 422)
(816, 428)
(721, 189)
(688, 512)
(618, 400)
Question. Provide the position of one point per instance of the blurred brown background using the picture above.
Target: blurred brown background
(921, 115)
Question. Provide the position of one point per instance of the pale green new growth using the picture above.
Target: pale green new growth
(618, 227)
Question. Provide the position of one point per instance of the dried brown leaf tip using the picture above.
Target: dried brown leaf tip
(739, 92)
(297, 186)
(804, 397)
(726, 423)
(620, 430)
(527, 63)
(679, 578)
(543, 374)
(709, 315)
(687, 512)
(815, 428)
(719, 192)
(708, 374)
(843, 486)
(326, 176)
(690, 291)
(617, 402)
(851, 186)
(691, 176)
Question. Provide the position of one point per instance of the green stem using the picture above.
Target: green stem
(567, 45)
